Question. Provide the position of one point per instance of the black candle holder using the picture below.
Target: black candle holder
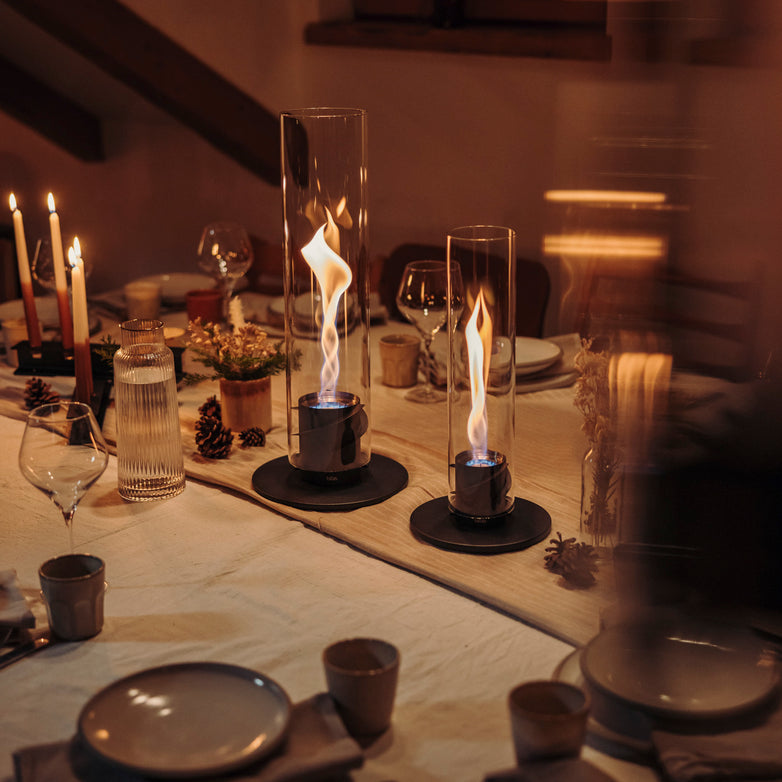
(330, 432)
(482, 485)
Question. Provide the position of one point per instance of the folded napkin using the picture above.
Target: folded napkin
(13, 608)
(560, 374)
(317, 748)
(752, 751)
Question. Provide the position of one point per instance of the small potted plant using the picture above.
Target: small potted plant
(243, 358)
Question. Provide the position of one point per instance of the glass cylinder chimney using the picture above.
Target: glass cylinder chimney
(481, 373)
(324, 181)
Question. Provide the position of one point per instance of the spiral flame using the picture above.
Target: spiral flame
(479, 341)
(334, 278)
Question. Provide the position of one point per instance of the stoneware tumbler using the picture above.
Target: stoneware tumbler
(362, 674)
(73, 586)
(548, 720)
(399, 356)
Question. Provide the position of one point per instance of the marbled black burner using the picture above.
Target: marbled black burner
(482, 486)
(330, 431)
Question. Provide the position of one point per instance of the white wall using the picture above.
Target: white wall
(454, 139)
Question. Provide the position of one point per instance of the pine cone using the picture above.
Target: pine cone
(575, 562)
(254, 437)
(37, 392)
(211, 408)
(213, 439)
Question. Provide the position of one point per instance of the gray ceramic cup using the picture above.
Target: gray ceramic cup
(548, 720)
(399, 357)
(73, 587)
(362, 675)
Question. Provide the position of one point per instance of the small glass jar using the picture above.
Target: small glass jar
(150, 464)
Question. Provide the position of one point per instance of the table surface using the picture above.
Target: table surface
(212, 575)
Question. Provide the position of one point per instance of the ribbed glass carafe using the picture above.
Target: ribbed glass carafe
(149, 442)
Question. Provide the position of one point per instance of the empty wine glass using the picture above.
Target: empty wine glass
(63, 453)
(423, 300)
(225, 252)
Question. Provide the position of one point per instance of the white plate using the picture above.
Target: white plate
(681, 667)
(47, 312)
(173, 287)
(532, 355)
(186, 720)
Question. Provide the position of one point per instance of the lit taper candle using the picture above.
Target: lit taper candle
(58, 261)
(25, 279)
(81, 329)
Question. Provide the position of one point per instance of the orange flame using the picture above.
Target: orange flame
(334, 278)
(479, 341)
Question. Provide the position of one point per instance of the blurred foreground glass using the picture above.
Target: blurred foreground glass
(482, 373)
(324, 178)
(225, 252)
(63, 453)
(150, 464)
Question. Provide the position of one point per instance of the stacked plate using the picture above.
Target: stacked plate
(671, 669)
(186, 720)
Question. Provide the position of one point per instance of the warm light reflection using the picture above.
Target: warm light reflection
(638, 247)
(334, 278)
(478, 337)
(605, 196)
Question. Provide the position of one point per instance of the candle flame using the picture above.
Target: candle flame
(72, 259)
(77, 247)
(479, 341)
(334, 278)
(12, 202)
(51, 203)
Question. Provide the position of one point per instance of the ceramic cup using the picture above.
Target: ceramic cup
(14, 332)
(206, 304)
(548, 720)
(399, 356)
(73, 587)
(142, 300)
(362, 674)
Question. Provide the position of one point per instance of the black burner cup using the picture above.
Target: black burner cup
(482, 486)
(330, 431)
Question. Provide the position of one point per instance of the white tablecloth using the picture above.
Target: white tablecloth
(210, 575)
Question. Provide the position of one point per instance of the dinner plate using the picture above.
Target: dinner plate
(173, 287)
(681, 667)
(47, 312)
(532, 355)
(186, 720)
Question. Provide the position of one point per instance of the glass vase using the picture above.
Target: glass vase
(150, 464)
(324, 177)
(600, 498)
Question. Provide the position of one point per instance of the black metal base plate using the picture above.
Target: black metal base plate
(278, 481)
(524, 526)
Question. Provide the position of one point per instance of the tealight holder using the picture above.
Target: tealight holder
(481, 512)
(330, 464)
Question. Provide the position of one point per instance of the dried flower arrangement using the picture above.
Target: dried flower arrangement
(244, 353)
(600, 480)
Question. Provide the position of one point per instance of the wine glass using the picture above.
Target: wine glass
(63, 453)
(423, 300)
(225, 252)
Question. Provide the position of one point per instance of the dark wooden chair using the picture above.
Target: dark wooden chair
(9, 275)
(532, 285)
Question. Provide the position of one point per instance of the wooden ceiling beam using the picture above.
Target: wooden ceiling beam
(128, 48)
(49, 113)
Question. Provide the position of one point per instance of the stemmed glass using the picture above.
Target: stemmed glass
(423, 299)
(225, 252)
(63, 453)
